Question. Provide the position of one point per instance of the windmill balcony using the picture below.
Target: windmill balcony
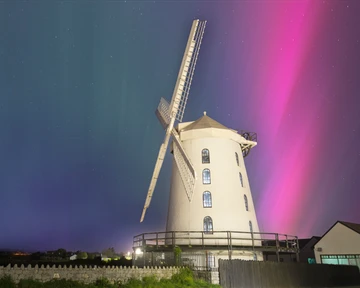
(217, 240)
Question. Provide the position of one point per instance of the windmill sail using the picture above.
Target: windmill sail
(186, 169)
(178, 100)
(162, 112)
(183, 83)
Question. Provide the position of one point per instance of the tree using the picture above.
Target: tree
(110, 252)
(61, 253)
(82, 255)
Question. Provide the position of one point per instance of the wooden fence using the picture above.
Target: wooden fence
(258, 274)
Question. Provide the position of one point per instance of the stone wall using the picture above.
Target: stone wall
(85, 274)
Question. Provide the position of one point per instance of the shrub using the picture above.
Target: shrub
(29, 283)
(150, 281)
(103, 283)
(185, 277)
(133, 283)
(7, 282)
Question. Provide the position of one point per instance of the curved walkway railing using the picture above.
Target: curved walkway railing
(232, 240)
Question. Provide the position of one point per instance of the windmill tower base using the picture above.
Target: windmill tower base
(199, 250)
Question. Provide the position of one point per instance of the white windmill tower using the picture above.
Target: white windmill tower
(210, 194)
(210, 210)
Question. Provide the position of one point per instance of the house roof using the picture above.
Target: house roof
(353, 226)
(304, 242)
(205, 122)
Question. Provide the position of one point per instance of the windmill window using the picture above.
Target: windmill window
(205, 156)
(250, 226)
(237, 158)
(241, 179)
(208, 225)
(207, 202)
(206, 176)
(246, 203)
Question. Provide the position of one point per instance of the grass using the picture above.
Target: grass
(184, 278)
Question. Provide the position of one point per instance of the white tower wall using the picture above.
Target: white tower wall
(228, 210)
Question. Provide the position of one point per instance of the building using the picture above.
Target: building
(211, 214)
(340, 245)
(222, 199)
(220, 220)
(306, 252)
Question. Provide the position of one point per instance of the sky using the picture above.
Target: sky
(80, 81)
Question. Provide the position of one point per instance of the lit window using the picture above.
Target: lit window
(241, 180)
(206, 176)
(237, 158)
(205, 156)
(246, 203)
(250, 226)
(207, 203)
(208, 225)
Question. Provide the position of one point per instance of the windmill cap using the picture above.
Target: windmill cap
(203, 123)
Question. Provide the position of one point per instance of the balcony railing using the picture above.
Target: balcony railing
(230, 240)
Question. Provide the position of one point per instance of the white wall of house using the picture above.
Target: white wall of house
(340, 240)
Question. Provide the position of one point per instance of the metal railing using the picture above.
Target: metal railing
(229, 239)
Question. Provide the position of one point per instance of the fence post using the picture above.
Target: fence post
(297, 250)
(277, 247)
(229, 244)
(252, 240)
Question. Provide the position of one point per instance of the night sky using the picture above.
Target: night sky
(80, 81)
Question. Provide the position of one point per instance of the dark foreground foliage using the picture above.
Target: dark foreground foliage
(183, 279)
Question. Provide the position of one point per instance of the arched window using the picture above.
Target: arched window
(237, 158)
(208, 225)
(205, 156)
(207, 203)
(206, 176)
(241, 179)
(246, 203)
(250, 226)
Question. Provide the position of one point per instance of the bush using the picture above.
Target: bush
(29, 283)
(103, 283)
(133, 283)
(185, 277)
(7, 282)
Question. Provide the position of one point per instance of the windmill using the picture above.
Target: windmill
(210, 209)
(169, 113)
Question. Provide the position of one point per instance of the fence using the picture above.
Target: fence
(168, 258)
(84, 274)
(202, 264)
(238, 273)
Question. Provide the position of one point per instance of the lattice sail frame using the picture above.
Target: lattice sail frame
(186, 169)
(188, 72)
(167, 114)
